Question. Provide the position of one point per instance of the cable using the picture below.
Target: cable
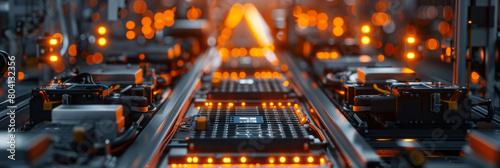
(380, 90)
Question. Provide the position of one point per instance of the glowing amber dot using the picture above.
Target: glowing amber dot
(243, 159)
(338, 21)
(130, 34)
(210, 160)
(282, 159)
(102, 41)
(189, 159)
(338, 31)
(410, 55)
(310, 159)
(365, 40)
(53, 42)
(195, 159)
(139, 6)
(286, 83)
(72, 50)
(53, 58)
(411, 40)
(365, 29)
(101, 30)
(296, 159)
(432, 44)
(97, 58)
(146, 21)
(130, 24)
(475, 77)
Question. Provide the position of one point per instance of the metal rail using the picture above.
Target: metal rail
(352, 145)
(146, 149)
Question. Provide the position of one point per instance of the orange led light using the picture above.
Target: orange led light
(130, 24)
(410, 55)
(411, 40)
(409, 140)
(263, 104)
(189, 159)
(210, 160)
(296, 159)
(272, 104)
(322, 160)
(475, 77)
(310, 159)
(53, 42)
(102, 41)
(226, 160)
(195, 159)
(219, 104)
(282, 159)
(53, 58)
(130, 34)
(286, 83)
(243, 104)
(101, 30)
(243, 159)
(271, 160)
(230, 104)
(365, 29)
(289, 104)
(365, 40)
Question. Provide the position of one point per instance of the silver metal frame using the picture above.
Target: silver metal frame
(352, 145)
(146, 148)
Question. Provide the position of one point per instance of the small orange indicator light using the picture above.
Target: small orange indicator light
(195, 159)
(189, 159)
(409, 140)
(101, 30)
(243, 104)
(410, 55)
(226, 160)
(365, 29)
(310, 159)
(210, 160)
(365, 40)
(271, 160)
(322, 160)
(102, 41)
(296, 159)
(282, 159)
(53, 42)
(411, 40)
(243, 159)
(53, 58)
(219, 104)
(286, 83)
(230, 104)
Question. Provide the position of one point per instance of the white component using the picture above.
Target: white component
(73, 114)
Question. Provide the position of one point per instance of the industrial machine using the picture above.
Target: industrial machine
(285, 83)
